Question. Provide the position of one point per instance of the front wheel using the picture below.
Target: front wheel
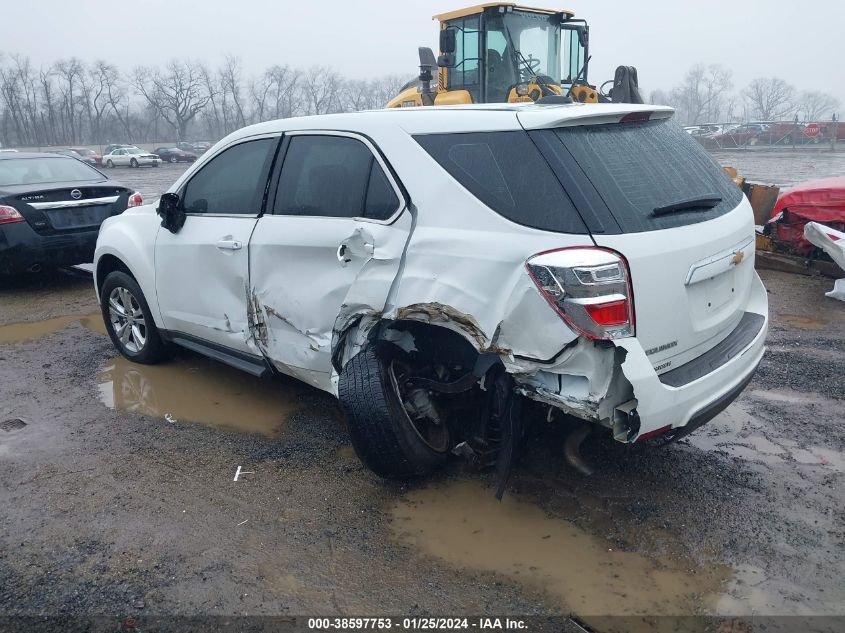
(386, 438)
(173, 159)
(129, 321)
(133, 163)
(109, 164)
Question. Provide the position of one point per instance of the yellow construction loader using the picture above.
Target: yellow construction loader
(500, 52)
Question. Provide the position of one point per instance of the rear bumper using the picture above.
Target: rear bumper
(697, 401)
(22, 249)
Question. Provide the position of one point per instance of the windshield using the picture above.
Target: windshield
(523, 46)
(134, 150)
(35, 171)
(84, 152)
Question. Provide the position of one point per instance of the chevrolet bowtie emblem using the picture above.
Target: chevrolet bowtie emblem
(737, 258)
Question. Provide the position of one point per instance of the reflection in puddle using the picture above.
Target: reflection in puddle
(27, 331)
(464, 524)
(199, 390)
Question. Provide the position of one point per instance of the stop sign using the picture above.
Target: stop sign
(812, 130)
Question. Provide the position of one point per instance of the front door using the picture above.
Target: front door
(202, 270)
(331, 241)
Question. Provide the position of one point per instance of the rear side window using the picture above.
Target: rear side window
(333, 176)
(507, 173)
(640, 167)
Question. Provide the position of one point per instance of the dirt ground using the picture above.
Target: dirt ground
(119, 492)
(117, 483)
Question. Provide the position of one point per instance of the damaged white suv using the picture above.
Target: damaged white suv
(434, 267)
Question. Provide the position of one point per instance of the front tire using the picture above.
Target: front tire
(133, 163)
(384, 437)
(129, 321)
(109, 164)
(174, 160)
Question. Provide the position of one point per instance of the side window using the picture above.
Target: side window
(381, 198)
(505, 171)
(232, 182)
(333, 176)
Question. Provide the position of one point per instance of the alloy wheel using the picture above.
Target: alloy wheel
(127, 320)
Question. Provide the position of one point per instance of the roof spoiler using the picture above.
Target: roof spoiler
(549, 116)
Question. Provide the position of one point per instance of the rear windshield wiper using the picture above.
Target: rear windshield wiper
(707, 201)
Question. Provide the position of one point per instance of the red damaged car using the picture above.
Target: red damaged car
(820, 201)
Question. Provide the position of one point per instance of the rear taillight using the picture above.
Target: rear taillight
(9, 215)
(135, 200)
(589, 287)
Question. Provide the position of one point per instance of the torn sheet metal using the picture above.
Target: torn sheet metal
(831, 242)
(349, 265)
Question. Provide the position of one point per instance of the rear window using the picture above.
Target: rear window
(36, 171)
(506, 172)
(637, 168)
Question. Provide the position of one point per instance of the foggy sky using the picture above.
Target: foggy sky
(801, 43)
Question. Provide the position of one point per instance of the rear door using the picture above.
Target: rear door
(330, 242)
(202, 270)
(648, 191)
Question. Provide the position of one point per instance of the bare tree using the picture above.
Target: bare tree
(285, 83)
(177, 94)
(115, 93)
(770, 98)
(701, 96)
(213, 113)
(320, 90)
(230, 84)
(70, 73)
(815, 104)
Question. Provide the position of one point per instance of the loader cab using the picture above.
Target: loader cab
(504, 53)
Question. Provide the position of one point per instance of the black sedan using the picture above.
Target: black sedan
(175, 155)
(51, 208)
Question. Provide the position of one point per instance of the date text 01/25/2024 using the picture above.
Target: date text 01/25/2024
(415, 624)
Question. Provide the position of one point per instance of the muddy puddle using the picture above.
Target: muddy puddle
(738, 433)
(31, 330)
(198, 390)
(802, 322)
(463, 523)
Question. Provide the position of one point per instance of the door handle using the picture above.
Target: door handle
(342, 256)
(229, 245)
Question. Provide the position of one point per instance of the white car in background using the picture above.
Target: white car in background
(434, 268)
(130, 157)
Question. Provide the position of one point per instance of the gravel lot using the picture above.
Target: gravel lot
(119, 495)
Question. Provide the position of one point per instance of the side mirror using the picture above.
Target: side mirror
(171, 212)
(447, 41)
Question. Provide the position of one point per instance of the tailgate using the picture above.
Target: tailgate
(690, 284)
(650, 192)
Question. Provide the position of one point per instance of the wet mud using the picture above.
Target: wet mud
(463, 524)
(192, 389)
(117, 484)
(29, 330)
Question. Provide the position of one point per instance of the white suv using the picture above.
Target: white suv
(434, 267)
